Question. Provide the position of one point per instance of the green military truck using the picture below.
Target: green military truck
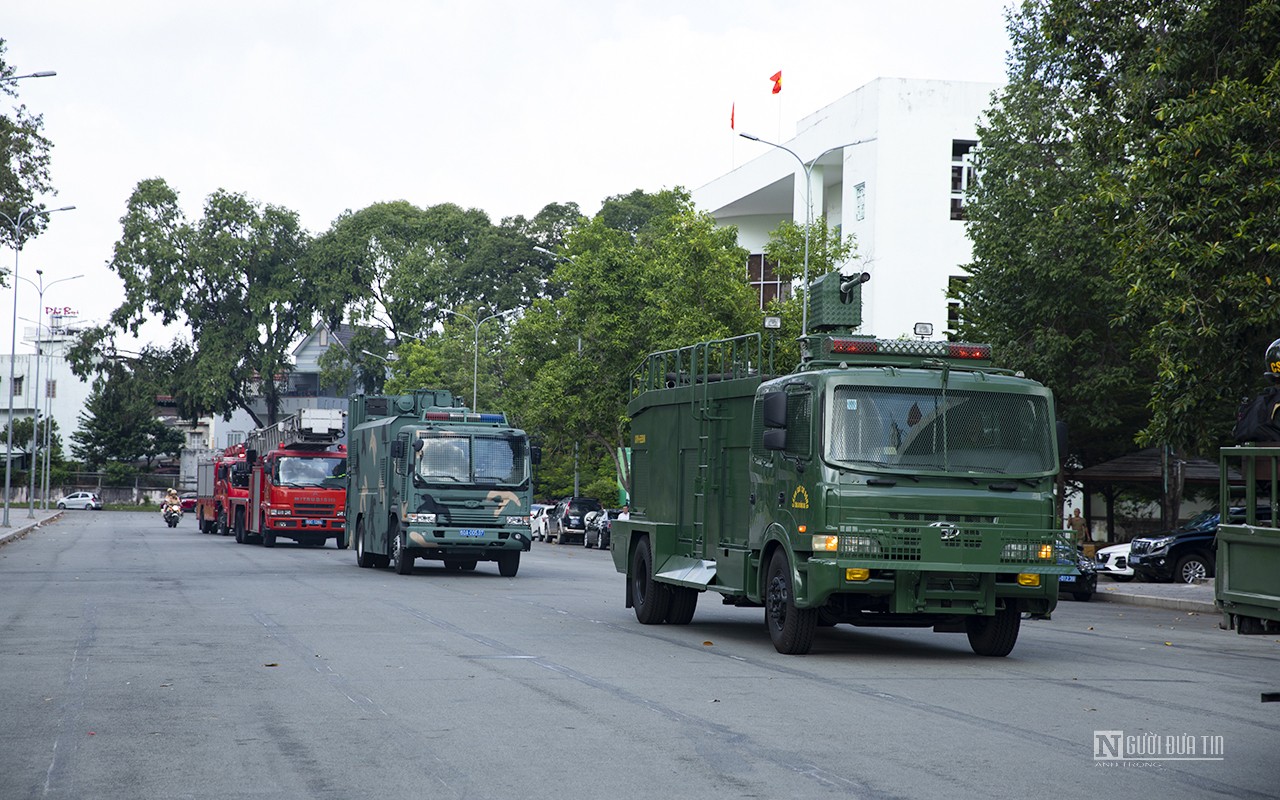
(1247, 574)
(883, 483)
(430, 479)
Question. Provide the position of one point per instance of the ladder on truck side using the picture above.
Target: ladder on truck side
(317, 428)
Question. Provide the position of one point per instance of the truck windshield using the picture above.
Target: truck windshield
(311, 471)
(454, 458)
(927, 430)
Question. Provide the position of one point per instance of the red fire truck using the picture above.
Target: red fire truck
(297, 482)
(218, 487)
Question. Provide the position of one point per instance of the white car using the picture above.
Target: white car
(87, 500)
(1113, 562)
(539, 522)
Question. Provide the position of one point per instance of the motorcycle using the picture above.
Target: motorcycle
(172, 513)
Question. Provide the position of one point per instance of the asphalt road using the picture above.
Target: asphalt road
(144, 662)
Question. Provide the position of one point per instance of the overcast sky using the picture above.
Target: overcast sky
(322, 106)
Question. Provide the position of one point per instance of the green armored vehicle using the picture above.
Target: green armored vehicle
(884, 483)
(430, 479)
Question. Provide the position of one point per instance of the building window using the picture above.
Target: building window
(324, 336)
(17, 386)
(860, 201)
(962, 174)
(762, 277)
(51, 388)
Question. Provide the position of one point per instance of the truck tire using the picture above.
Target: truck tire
(1193, 568)
(220, 523)
(790, 628)
(994, 636)
(683, 603)
(239, 529)
(651, 599)
(509, 564)
(267, 538)
(364, 558)
(404, 561)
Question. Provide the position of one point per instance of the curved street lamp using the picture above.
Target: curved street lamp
(24, 215)
(475, 368)
(808, 209)
(48, 73)
(35, 392)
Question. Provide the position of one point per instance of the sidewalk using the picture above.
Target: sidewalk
(20, 525)
(1174, 596)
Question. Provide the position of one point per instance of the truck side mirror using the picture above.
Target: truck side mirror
(774, 408)
(775, 439)
(535, 455)
(398, 449)
(251, 457)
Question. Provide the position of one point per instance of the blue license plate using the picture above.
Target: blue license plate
(1135, 559)
(1066, 578)
(471, 532)
(315, 523)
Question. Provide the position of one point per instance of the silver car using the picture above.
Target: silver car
(81, 500)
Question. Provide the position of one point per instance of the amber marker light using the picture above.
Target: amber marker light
(857, 574)
(1046, 552)
(1028, 579)
(822, 543)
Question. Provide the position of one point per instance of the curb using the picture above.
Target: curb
(1171, 603)
(18, 532)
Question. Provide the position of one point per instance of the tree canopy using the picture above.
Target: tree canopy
(240, 280)
(24, 162)
(119, 423)
(647, 273)
(1125, 225)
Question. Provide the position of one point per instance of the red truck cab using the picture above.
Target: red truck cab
(297, 493)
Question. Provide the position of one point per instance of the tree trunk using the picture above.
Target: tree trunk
(1174, 468)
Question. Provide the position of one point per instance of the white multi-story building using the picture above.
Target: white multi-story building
(894, 173)
(43, 381)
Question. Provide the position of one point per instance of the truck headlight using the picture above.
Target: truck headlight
(824, 543)
(518, 521)
(1027, 551)
(421, 519)
(280, 512)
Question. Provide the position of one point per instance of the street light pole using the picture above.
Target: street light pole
(23, 216)
(35, 392)
(808, 209)
(48, 73)
(475, 365)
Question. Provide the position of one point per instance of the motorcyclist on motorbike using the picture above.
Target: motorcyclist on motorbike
(171, 508)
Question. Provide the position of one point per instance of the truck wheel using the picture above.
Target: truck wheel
(1192, 569)
(340, 541)
(467, 566)
(683, 603)
(364, 558)
(994, 636)
(239, 528)
(404, 561)
(220, 523)
(651, 599)
(790, 628)
(509, 564)
(268, 538)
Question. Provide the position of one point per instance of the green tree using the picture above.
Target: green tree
(119, 422)
(238, 279)
(630, 284)
(24, 162)
(409, 265)
(1125, 222)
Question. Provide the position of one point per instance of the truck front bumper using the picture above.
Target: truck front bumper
(902, 591)
(431, 541)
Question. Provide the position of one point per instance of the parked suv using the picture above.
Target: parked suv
(569, 517)
(1185, 555)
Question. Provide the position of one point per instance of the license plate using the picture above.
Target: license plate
(1135, 559)
(315, 523)
(1066, 578)
(471, 532)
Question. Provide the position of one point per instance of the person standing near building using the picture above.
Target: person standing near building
(1079, 528)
